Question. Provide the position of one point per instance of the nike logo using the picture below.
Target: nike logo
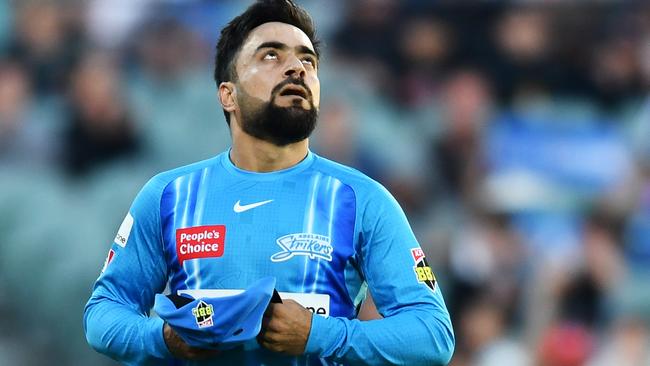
(239, 208)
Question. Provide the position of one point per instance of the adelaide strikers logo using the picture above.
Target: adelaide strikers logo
(423, 272)
(311, 245)
(203, 314)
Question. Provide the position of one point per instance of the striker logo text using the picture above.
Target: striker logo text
(312, 245)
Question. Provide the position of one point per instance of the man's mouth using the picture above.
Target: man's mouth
(294, 90)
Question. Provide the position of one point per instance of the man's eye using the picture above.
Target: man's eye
(271, 56)
(308, 61)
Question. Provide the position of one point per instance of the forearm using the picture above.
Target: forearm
(120, 332)
(414, 337)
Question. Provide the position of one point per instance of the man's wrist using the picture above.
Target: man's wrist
(166, 331)
(173, 341)
(157, 332)
(324, 335)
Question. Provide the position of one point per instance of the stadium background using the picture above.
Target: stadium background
(515, 135)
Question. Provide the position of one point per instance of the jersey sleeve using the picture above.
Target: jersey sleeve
(116, 318)
(416, 328)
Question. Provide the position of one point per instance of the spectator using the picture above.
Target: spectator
(523, 58)
(583, 299)
(467, 106)
(101, 126)
(565, 344)
(626, 344)
(24, 141)
(43, 45)
(425, 46)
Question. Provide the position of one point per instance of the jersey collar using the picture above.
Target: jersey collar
(249, 175)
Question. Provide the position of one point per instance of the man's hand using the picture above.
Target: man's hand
(182, 350)
(285, 328)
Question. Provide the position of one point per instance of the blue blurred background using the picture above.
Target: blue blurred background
(515, 135)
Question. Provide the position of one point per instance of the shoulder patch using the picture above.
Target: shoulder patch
(423, 272)
(124, 231)
(109, 259)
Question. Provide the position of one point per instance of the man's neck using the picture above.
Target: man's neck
(255, 155)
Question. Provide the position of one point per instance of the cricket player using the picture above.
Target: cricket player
(269, 207)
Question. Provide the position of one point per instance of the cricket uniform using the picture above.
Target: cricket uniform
(326, 232)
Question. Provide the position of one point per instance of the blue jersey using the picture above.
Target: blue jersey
(327, 233)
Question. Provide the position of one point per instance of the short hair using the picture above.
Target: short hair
(235, 33)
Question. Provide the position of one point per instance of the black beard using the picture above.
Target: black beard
(281, 126)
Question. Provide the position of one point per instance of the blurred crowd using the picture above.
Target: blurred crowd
(515, 135)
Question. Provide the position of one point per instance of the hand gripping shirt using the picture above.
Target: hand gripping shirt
(326, 232)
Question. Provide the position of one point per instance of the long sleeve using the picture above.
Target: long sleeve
(116, 319)
(416, 328)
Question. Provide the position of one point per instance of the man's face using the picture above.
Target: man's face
(278, 91)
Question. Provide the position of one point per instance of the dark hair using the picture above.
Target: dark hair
(235, 33)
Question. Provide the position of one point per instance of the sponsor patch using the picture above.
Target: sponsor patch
(200, 242)
(311, 245)
(203, 314)
(124, 231)
(109, 259)
(423, 272)
(316, 303)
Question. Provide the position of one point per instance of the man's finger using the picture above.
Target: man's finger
(265, 321)
(269, 309)
(264, 343)
(264, 340)
(270, 344)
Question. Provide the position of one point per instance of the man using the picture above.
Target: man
(270, 207)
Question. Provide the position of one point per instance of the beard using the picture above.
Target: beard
(280, 126)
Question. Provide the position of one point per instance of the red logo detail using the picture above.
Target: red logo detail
(200, 242)
(417, 254)
(109, 259)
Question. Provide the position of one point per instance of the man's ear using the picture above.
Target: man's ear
(228, 96)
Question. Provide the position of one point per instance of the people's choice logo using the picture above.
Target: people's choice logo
(200, 242)
(311, 245)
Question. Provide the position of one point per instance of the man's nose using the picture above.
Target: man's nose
(295, 68)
